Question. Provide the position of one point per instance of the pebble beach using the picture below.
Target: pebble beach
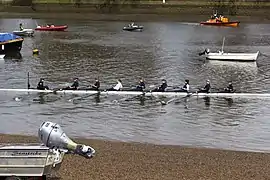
(120, 160)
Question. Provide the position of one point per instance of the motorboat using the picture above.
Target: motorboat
(38, 160)
(25, 32)
(10, 44)
(133, 27)
(224, 56)
(51, 27)
(220, 20)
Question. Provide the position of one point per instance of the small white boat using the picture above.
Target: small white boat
(221, 55)
(2, 56)
(133, 27)
(24, 32)
(232, 56)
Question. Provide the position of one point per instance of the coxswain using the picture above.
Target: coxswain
(206, 88)
(21, 27)
(74, 86)
(117, 87)
(41, 85)
(141, 85)
(162, 87)
(229, 88)
(95, 86)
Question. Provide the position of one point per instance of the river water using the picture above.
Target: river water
(163, 50)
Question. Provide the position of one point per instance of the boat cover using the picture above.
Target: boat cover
(8, 36)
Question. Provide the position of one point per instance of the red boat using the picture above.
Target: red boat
(51, 28)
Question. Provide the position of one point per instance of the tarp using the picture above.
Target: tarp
(8, 36)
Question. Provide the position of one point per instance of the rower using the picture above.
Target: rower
(141, 85)
(229, 88)
(206, 88)
(95, 86)
(21, 27)
(41, 86)
(185, 87)
(74, 86)
(162, 87)
(117, 87)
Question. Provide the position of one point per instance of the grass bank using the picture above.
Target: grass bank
(193, 7)
(133, 161)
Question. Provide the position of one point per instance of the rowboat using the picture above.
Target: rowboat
(10, 43)
(221, 55)
(133, 27)
(24, 32)
(137, 93)
(51, 28)
(219, 20)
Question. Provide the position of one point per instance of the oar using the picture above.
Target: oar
(28, 81)
(83, 97)
(175, 98)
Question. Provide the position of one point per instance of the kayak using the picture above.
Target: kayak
(51, 28)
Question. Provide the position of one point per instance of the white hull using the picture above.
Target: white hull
(233, 56)
(25, 32)
(2, 56)
(183, 94)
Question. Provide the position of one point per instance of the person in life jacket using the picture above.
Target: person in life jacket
(206, 88)
(117, 87)
(41, 85)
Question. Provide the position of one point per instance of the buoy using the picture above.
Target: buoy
(35, 51)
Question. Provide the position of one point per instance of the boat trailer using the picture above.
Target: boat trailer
(37, 161)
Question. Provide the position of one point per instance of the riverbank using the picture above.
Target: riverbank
(118, 160)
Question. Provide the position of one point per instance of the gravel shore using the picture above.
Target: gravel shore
(119, 160)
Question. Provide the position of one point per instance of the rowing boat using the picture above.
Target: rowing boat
(183, 94)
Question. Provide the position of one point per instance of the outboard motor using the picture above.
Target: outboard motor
(206, 51)
(52, 136)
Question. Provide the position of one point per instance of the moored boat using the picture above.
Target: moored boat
(51, 28)
(133, 27)
(24, 32)
(221, 55)
(220, 20)
(10, 43)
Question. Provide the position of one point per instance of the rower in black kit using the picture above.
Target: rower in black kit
(74, 86)
(229, 89)
(140, 86)
(41, 85)
(162, 87)
(95, 86)
(206, 88)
